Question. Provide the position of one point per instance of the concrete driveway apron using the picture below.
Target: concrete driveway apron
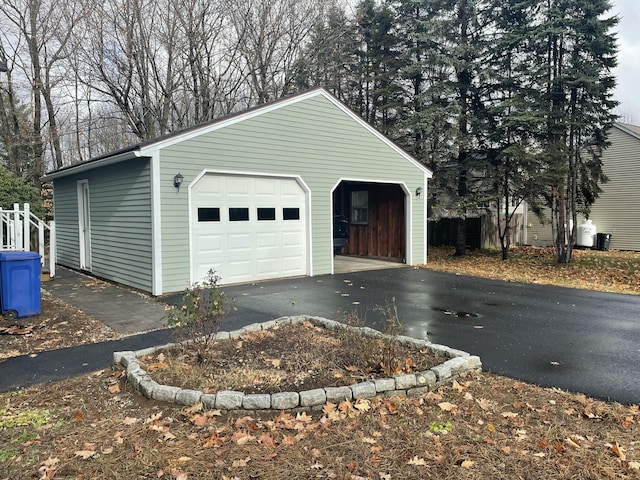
(573, 339)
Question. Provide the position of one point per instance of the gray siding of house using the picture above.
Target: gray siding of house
(537, 232)
(120, 211)
(311, 138)
(617, 209)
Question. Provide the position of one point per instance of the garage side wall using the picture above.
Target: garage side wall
(65, 212)
(312, 138)
(120, 216)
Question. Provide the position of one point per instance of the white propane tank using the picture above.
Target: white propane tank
(586, 234)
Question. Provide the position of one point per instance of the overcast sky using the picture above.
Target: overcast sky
(628, 70)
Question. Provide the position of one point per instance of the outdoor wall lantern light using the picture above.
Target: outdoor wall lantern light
(418, 192)
(177, 180)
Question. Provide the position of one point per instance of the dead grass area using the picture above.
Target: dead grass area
(608, 271)
(482, 426)
(288, 358)
(59, 325)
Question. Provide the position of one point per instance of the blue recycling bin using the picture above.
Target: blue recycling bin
(19, 284)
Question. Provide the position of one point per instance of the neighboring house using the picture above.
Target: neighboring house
(251, 195)
(617, 209)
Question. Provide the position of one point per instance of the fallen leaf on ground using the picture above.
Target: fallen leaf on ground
(85, 454)
(363, 405)
(241, 463)
(571, 443)
(447, 407)
(417, 461)
(618, 450)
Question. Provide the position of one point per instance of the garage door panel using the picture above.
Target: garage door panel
(249, 249)
(203, 270)
(239, 242)
(292, 239)
(240, 269)
(267, 267)
(266, 240)
(238, 187)
(291, 264)
(209, 250)
(266, 187)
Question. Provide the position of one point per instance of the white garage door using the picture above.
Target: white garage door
(248, 228)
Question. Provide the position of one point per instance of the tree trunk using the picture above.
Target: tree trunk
(461, 238)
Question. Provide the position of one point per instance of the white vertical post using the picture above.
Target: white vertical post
(3, 245)
(52, 249)
(17, 228)
(26, 225)
(41, 242)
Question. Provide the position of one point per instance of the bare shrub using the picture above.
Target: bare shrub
(203, 309)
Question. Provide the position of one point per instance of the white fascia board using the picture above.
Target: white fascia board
(90, 165)
(235, 118)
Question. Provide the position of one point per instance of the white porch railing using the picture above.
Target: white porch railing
(20, 229)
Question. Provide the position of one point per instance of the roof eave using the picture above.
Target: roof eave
(90, 165)
(625, 129)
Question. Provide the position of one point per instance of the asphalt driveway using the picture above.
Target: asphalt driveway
(573, 339)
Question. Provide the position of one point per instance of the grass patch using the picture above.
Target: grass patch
(17, 416)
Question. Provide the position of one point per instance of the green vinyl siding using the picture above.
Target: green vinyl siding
(120, 215)
(65, 212)
(312, 138)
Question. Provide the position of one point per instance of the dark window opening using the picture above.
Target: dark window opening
(291, 214)
(266, 213)
(360, 207)
(208, 214)
(238, 214)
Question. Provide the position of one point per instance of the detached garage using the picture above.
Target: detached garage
(252, 195)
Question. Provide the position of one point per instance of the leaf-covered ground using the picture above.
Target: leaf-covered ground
(59, 325)
(482, 426)
(609, 271)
